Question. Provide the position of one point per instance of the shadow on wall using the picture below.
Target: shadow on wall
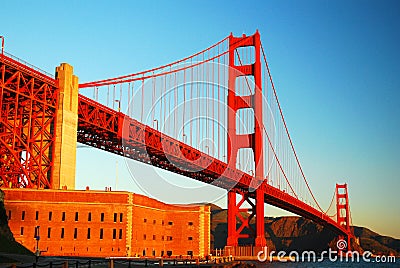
(7, 241)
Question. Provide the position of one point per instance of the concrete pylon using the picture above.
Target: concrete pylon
(63, 175)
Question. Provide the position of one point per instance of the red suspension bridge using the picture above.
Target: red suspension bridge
(213, 117)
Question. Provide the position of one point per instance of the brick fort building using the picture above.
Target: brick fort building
(106, 224)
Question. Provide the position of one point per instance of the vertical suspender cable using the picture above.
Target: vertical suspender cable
(198, 107)
(191, 103)
(184, 104)
(160, 99)
(133, 99)
(129, 99)
(108, 95)
(152, 107)
(113, 101)
(120, 96)
(141, 115)
(212, 95)
(218, 104)
(164, 99)
(175, 108)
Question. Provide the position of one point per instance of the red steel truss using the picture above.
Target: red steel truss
(28, 101)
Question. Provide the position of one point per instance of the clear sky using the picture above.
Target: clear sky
(335, 65)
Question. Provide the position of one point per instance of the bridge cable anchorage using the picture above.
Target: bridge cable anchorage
(287, 131)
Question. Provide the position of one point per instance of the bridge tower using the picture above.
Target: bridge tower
(252, 140)
(66, 129)
(343, 211)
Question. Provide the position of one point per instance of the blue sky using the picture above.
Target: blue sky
(335, 65)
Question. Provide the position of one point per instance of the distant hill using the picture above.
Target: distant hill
(297, 233)
(377, 244)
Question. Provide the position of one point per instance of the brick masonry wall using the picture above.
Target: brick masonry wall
(103, 224)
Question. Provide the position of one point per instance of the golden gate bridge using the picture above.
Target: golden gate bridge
(214, 117)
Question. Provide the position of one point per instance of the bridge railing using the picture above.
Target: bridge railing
(25, 65)
(128, 262)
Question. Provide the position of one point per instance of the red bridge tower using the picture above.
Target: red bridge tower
(252, 140)
(343, 210)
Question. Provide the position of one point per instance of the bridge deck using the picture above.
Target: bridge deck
(109, 130)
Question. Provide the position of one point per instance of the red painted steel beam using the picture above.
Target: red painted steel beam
(112, 131)
(28, 101)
